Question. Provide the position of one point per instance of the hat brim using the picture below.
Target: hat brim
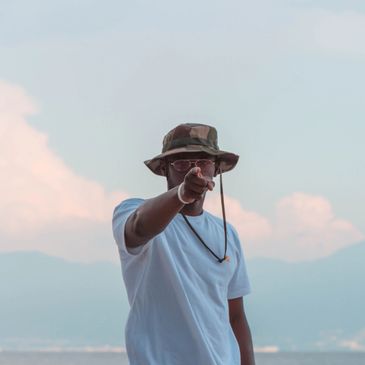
(227, 160)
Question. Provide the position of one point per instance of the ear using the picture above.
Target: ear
(216, 171)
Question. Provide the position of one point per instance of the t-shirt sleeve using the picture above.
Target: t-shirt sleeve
(239, 284)
(120, 216)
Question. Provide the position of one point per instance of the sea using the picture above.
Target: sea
(113, 358)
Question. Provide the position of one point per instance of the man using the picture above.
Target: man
(184, 268)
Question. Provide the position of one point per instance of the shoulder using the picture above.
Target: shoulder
(125, 208)
(128, 203)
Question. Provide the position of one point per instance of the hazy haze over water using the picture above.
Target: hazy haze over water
(293, 358)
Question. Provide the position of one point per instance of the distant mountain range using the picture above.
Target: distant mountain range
(308, 306)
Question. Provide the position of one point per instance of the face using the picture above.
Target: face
(175, 178)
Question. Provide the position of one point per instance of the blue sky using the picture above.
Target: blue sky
(282, 81)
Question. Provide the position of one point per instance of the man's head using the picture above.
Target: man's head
(176, 166)
(192, 140)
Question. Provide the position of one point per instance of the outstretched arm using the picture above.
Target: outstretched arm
(151, 218)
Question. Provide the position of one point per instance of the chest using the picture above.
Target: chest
(193, 257)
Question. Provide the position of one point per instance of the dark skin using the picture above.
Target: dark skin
(175, 178)
(155, 214)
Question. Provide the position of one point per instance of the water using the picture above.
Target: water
(63, 358)
(94, 358)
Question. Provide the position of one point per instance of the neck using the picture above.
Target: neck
(193, 209)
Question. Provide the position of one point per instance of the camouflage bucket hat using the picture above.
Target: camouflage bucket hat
(192, 137)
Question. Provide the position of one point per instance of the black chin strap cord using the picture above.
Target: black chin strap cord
(220, 260)
(224, 217)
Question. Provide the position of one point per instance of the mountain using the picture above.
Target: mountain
(313, 305)
(48, 301)
(304, 306)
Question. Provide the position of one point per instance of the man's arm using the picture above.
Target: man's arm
(241, 329)
(152, 217)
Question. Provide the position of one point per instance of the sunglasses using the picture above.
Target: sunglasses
(185, 165)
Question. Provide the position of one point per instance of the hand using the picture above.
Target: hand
(195, 185)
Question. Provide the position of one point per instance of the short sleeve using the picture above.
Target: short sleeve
(239, 284)
(120, 216)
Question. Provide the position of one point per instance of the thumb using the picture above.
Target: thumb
(211, 185)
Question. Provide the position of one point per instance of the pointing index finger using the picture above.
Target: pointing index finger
(196, 171)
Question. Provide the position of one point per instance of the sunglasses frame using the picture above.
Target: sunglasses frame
(191, 161)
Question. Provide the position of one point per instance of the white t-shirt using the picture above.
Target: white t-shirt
(178, 291)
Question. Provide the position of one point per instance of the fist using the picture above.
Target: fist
(195, 185)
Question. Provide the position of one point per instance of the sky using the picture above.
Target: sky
(89, 89)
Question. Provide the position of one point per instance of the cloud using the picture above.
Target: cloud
(357, 343)
(251, 227)
(337, 338)
(339, 32)
(304, 227)
(313, 29)
(48, 207)
(342, 32)
(38, 190)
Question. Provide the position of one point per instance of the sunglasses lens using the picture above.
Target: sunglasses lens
(204, 164)
(182, 165)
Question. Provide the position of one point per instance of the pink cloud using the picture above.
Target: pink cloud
(304, 227)
(38, 188)
(249, 225)
(47, 206)
(307, 228)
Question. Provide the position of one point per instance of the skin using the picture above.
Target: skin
(175, 178)
(155, 214)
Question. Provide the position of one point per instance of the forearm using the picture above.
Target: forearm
(243, 335)
(152, 217)
(155, 214)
